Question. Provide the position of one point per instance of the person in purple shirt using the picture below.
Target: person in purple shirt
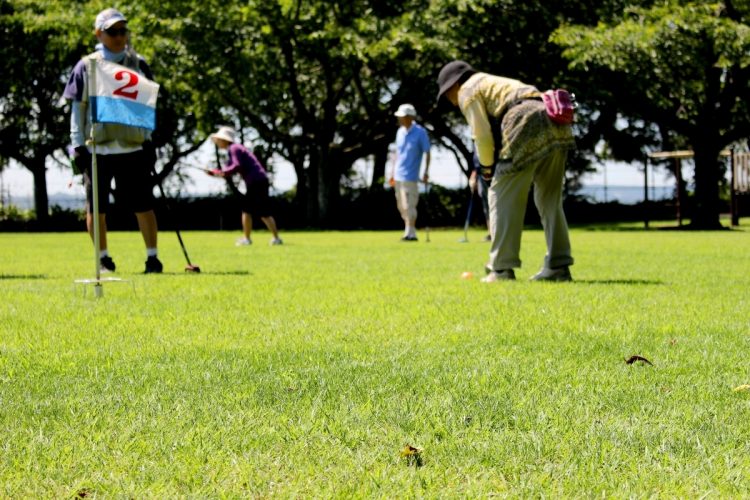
(256, 200)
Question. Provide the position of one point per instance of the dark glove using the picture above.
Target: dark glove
(487, 172)
(81, 160)
(149, 154)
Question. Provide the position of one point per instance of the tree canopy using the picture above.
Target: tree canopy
(681, 67)
(317, 82)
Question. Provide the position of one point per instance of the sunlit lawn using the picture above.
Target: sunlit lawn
(304, 370)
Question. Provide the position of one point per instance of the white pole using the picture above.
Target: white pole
(98, 290)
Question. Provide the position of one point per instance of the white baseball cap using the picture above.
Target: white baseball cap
(225, 133)
(107, 18)
(406, 110)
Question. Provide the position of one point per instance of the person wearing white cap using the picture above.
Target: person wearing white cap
(412, 144)
(123, 152)
(255, 200)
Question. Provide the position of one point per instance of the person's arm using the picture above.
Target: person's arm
(77, 124)
(394, 160)
(81, 155)
(481, 129)
(484, 141)
(473, 181)
(425, 140)
(74, 92)
(233, 163)
(426, 176)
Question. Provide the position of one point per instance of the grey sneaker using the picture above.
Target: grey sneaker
(556, 274)
(276, 241)
(504, 275)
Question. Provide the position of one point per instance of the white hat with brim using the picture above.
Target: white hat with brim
(108, 17)
(406, 110)
(224, 133)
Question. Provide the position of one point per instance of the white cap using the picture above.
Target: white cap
(107, 18)
(406, 110)
(225, 133)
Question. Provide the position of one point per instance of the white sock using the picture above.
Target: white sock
(151, 252)
(103, 253)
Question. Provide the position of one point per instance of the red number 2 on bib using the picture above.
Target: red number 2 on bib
(132, 82)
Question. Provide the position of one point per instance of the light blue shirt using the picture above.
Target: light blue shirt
(411, 146)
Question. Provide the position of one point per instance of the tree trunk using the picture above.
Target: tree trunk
(706, 208)
(378, 169)
(41, 200)
(329, 186)
(312, 179)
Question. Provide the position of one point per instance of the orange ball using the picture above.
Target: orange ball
(467, 275)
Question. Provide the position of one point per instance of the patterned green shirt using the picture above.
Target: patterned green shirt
(527, 132)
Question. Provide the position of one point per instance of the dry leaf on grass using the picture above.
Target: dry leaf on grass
(632, 359)
(413, 455)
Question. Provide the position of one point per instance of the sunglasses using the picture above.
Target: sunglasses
(113, 32)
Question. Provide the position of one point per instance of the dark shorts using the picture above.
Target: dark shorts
(256, 200)
(132, 175)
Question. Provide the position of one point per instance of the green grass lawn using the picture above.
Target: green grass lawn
(304, 370)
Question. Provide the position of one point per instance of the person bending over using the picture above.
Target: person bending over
(518, 145)
(255, 201)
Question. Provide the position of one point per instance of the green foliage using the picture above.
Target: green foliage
(248, 380)
(312, 81)
(34, 72)
(317, 82)
(679, 67)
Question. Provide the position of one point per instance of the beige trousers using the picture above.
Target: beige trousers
(508, 196)
(407, 197)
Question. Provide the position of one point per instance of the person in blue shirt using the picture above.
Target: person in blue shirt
(412, 144)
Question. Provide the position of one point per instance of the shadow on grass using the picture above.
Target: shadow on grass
(203, 273)
(619, 282)
(23, 276)
(654, 227)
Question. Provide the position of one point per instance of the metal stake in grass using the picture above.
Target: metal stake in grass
(465, 239)
(427, 206)
(190, 268)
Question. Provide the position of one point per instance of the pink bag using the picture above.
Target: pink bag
(560, 106)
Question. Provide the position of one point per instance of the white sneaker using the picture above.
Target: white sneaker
(556, 274)
(276, 241)
(504, 275)
(243, 242)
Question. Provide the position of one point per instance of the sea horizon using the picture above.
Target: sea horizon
(596, 193)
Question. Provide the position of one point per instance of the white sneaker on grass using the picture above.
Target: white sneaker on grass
(242, 242)
(556, 274)
(276, 241)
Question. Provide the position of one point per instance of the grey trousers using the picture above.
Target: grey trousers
(508, 195)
